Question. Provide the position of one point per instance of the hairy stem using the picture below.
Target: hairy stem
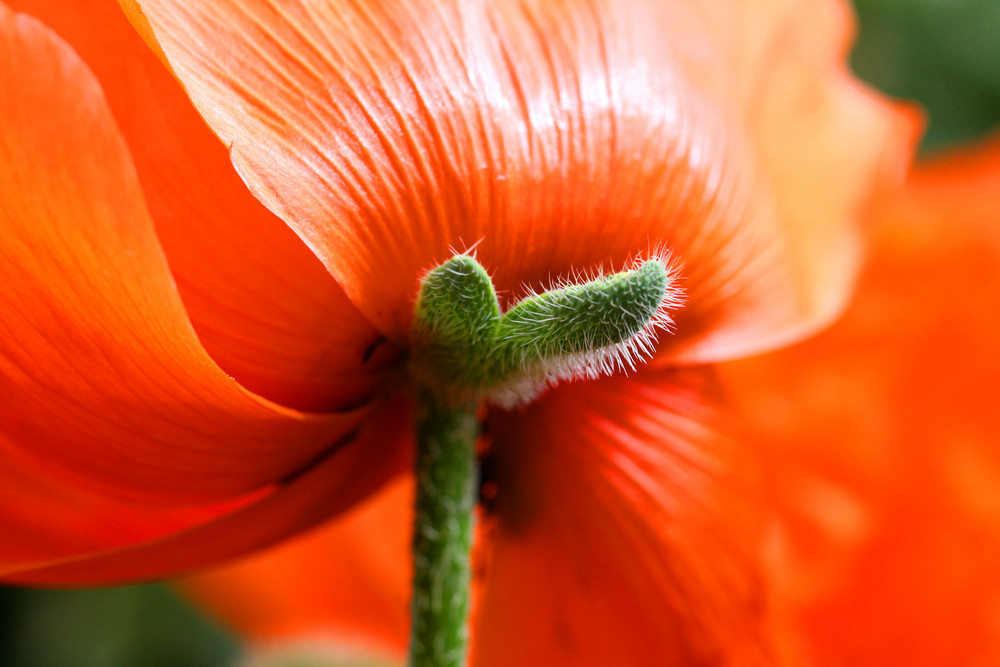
(446, 496)
(466, 353)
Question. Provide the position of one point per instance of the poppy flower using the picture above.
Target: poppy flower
(199, 361)
(877, 444)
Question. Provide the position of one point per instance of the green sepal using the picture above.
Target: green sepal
(465, 352)
(576, 320)
(466, 348)
(455, 321)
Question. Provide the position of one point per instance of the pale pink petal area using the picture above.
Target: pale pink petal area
(828, 148)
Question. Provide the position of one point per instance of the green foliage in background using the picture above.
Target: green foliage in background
(943, 53)
(133, 626)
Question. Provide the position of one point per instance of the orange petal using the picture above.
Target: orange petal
(881, 436)
(100, 370)
(262, 304)
(827, 146)
(349, 581)
(328, 488)
(624, 532)
(556, 136)
(46, 517)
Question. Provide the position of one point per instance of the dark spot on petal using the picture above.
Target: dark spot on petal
(370, 352)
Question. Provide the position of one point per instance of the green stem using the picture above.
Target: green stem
(446, 496)
(465, 352)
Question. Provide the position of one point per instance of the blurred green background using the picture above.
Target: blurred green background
(132, 626)
(943, 53)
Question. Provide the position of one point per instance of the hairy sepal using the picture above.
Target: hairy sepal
(472, 352)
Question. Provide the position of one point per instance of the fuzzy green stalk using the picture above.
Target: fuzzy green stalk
(446, 496)
(465, 352)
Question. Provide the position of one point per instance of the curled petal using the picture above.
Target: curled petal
(557, 137)
(101, 373)
(327, 488)
(260, 301)
(47, 517)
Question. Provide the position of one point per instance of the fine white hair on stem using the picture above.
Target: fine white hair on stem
(551, 347)
(588, 324)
